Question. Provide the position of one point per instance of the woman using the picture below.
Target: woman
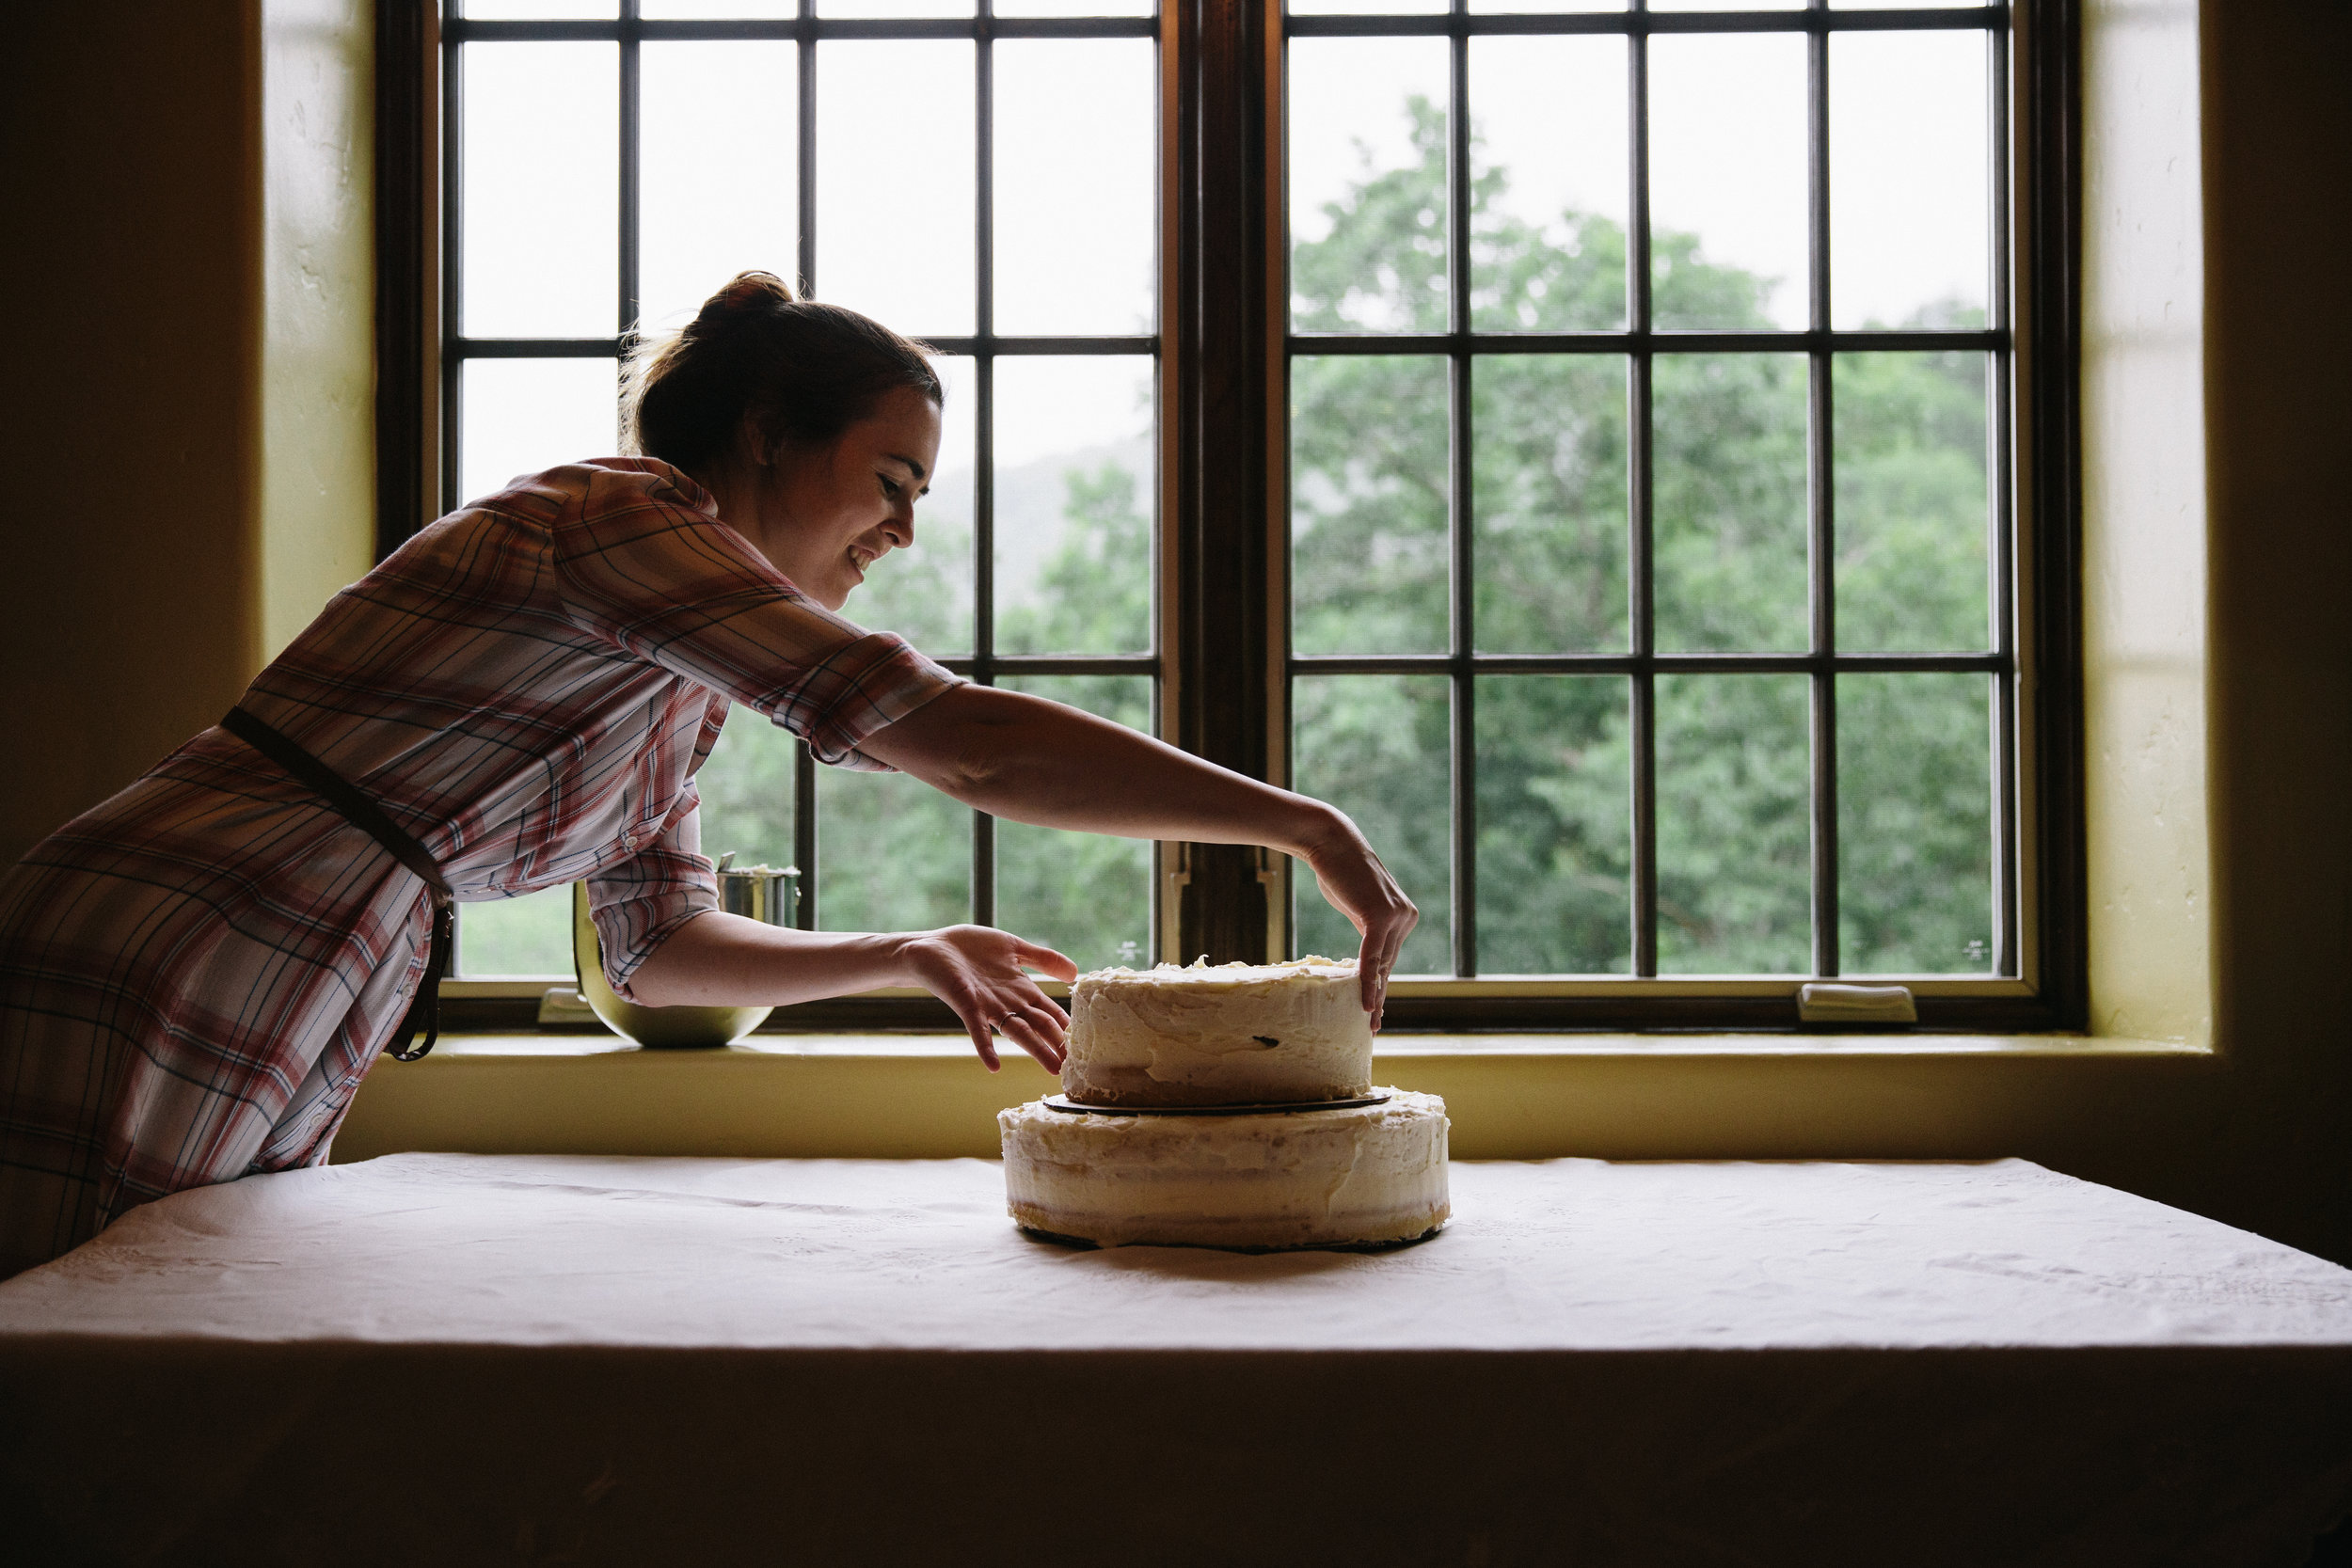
(195, 975)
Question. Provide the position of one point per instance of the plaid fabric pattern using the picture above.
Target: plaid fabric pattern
(196, 974)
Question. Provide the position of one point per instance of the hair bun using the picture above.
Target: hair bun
(747, 292)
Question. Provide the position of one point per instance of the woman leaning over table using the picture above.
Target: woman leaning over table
(195, 975)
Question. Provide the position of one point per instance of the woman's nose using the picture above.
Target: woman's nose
(899, 528)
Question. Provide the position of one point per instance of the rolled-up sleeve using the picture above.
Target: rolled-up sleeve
(643, 565)
(640, 902)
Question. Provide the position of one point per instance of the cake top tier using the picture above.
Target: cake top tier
(1203, 972)
(1228, 1035)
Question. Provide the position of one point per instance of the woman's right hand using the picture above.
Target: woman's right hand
(978, 970)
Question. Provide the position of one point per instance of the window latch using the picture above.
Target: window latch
(1822, 1003)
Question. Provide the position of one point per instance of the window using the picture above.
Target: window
(1588, 443)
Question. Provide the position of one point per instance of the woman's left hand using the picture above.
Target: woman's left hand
(978, 971)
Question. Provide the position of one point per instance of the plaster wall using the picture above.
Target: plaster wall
(318, 291)
(130, 611)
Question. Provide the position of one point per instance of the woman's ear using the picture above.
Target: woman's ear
(750, 443)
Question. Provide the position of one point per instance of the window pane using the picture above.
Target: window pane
(1075, 192)
(746, 788)
(1073, 504)
(1728, 180)
(1547, 158)
(1554, 826)
(894, 8)
(1728, 510)
(1365, 7)
(1908, 167)
(1074, 8)
(894, 182)
(893, 855)
(1491, 8)
(925, 594)
(542, 190)
(1368, 504)
(1726, 5)
(1086, 894)
(527, 938)
(1914, 507)
(1375, 746)
(522, 416)
(717, 11)
(718, 142)
(1367, 183)
(1549, 502)
(535, 10)
(1915, 824)
(1734, 826)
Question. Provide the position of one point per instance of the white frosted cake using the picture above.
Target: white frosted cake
(1139, 1149)
(1235, 1034)
(1368, 1176)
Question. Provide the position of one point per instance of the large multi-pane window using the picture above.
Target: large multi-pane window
(1638, 555)
(986, 185)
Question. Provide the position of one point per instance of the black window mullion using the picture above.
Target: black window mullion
(1640, 608)
(984, 440)
(631, 169)
(1821, 522)
(1462, 631)
(805, 111)
(452, 263)
(803, 760)
(1674, 340)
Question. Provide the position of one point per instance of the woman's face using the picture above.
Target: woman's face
(827, 513)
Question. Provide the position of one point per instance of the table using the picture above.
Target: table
(454, 1359)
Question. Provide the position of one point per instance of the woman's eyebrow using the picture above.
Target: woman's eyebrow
(911, 465)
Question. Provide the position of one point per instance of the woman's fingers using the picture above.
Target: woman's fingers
(977, 1028)
(986, 984)
(1037, 956)
(1038, 1042)
(1383, 941)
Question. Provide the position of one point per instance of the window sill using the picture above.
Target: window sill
(1914, 1096)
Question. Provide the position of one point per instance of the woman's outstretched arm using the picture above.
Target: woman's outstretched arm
(1035, 761)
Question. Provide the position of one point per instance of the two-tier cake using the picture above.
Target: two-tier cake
(1225, 1107)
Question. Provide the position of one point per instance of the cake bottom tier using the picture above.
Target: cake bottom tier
(1367, 1176)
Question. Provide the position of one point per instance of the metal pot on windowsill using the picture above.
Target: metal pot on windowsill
(759, 893)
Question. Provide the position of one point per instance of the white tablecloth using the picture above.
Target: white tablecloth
(452, 1358)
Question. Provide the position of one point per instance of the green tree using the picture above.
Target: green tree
(1550, 509)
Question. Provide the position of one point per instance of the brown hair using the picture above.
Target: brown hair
(805, 372)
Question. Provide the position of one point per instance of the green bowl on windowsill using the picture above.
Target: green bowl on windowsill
(655, 1028)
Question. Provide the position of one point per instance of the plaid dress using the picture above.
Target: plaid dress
(196, 974)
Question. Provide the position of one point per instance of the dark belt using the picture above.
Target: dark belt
(424, 1011)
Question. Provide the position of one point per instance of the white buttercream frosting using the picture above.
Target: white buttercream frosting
(1232, 1035)
(1361, 1176)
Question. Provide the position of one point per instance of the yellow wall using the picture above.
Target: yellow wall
(318, 291)
(2221, 717)
(130, 611)
(2279, 410)
(190, 415)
